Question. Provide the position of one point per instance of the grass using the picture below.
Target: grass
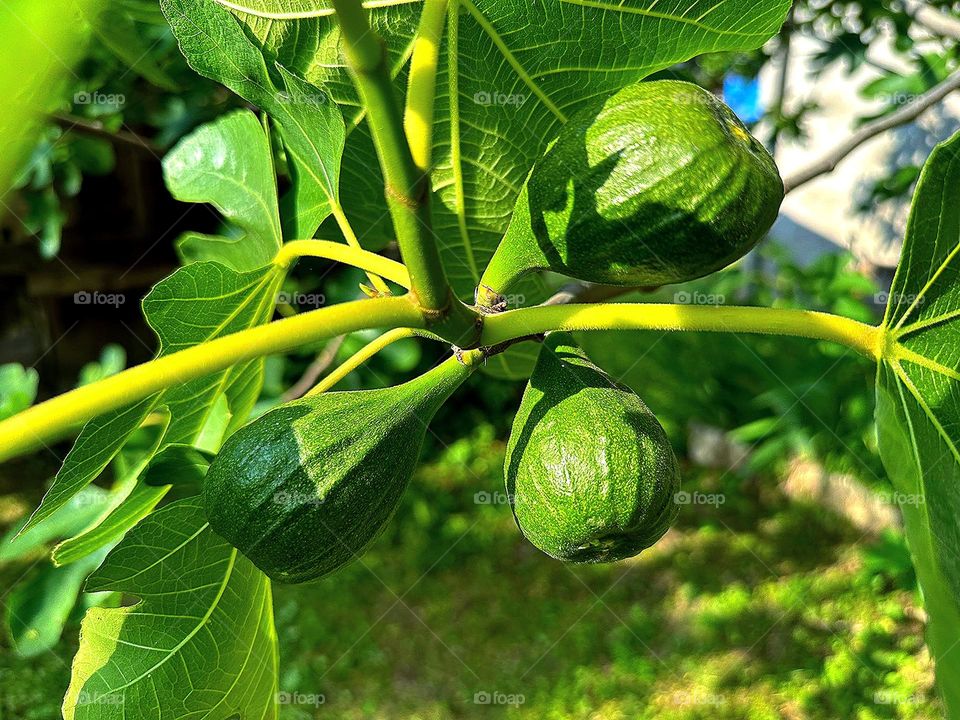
(757, 608)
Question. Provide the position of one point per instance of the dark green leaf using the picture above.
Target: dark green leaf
(40, 605)
(179, 465)
(203, 621)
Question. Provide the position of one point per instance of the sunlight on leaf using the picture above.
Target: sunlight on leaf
(227, 164)
(506, 84)
(918, 402)
(311, 126)
(199, 642)
(511, 72)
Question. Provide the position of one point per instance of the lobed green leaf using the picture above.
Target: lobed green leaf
(227, 163)
(200, 641)
(918, 402)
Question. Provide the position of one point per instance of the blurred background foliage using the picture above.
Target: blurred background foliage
(771, 604)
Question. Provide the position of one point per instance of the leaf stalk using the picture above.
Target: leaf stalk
(407, 187)
(53, 419)
(504, 327)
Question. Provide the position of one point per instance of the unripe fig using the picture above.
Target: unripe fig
(589, 469)
(663, 185)
(304, 489)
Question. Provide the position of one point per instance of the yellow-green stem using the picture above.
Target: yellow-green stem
(422, 86)
(360, 357)
(351, 237)
(338, 252)
(507, 326)
(51, 420)
(54, 419)
(407, 186)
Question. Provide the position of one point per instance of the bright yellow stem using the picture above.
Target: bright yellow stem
(51, 420)
(360, 357)
(351, 237)
(422, 86)
(55, 418)
(338, 252)
(507, 326)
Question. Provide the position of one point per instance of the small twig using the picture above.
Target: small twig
(317, 368)
(903, 116)
(786, 35)
(96, 129)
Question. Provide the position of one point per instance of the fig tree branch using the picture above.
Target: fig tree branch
(907, 114)
(507, 326)
(407, 188)
(313, 372)
(51, 420)
(54, 419)
(95, 128)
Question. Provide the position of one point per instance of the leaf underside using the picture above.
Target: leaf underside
(206, 167)
(918, 402)
(199, 643)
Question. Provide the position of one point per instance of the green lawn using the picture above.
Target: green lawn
(759, 608)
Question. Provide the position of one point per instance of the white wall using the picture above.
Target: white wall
(822, 215)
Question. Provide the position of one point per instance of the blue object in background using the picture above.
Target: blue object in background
(742, 94)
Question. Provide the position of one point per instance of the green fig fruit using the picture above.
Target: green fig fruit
(304, 489)
(663, 185)
(589, 470)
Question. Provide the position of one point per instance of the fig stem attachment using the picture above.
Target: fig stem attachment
(360, 357)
